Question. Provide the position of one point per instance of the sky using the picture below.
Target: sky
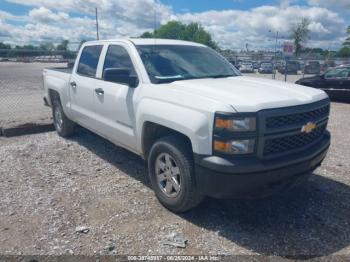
(232, 23)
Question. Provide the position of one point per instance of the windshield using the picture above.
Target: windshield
(338, 73)
(168, 63)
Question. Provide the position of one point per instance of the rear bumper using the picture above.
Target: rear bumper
(250, 177)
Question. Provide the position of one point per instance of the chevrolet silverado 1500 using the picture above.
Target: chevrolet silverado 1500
(204, 129)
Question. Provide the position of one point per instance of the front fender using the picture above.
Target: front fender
(194, 124)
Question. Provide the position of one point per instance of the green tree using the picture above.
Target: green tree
(4, 49)
(344, 52)
(63, 46)
(147, 35)
(347, 40)
(47, 46)
(179, 31)
(300, 32)
(4, 46)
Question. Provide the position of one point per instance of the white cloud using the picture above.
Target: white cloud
(234, 28)
(52, 19)
(332, 4)
(45, 15)
(139, 12)
(56, 20)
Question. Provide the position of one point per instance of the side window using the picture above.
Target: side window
(118, 57)
(331, 74)
(89, 60)
(337, 73)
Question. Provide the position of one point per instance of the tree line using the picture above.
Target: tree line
(300, 32)
(45, 49)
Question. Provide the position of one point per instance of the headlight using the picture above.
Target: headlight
(235, 147)
(237, 124)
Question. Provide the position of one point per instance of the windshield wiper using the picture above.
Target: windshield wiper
(169, 77)
(220, 76)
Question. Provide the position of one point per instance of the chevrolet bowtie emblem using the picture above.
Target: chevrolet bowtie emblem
(308, 128)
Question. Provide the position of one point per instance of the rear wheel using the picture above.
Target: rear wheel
(171, 172)
(64, 126)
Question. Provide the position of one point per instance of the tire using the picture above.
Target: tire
(185, 195)
(64, 126)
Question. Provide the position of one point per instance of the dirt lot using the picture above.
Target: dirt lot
(49, 186)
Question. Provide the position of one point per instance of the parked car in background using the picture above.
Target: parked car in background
(312, 67)
(327, 65)
(266, 68)
(246, 67)
(234, 63)
(335, 82)
(289, 67)
(256, 65)
(278, 64)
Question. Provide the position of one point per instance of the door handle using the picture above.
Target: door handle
(99, 91)
(73, 85)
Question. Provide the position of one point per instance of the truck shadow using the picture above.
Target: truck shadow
(307, 222)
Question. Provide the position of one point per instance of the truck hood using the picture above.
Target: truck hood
(249, 94)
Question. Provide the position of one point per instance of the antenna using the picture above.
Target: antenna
(155, 25)
(97, 32)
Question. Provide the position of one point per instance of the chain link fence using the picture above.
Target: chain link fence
(21, 99)
(277, 66)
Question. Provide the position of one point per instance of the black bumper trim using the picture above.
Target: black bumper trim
(242, 164)
(251, 177)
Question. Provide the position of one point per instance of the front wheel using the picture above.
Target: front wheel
(172, 176)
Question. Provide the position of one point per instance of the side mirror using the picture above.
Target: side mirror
(121, 76)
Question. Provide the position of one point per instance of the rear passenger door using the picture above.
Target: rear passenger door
(82, 86)
(114, 102)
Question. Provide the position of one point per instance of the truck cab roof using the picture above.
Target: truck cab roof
(146, 41)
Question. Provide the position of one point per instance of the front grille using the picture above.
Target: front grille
(292, 142)
(297, 118)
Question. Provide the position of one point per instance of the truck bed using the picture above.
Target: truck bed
(56, 78)
(67, 70)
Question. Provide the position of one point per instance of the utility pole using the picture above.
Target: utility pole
(274, 62)
(97, 33)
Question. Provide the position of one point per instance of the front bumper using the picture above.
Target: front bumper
(250, 177)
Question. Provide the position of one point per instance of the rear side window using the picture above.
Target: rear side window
(89, 60)
(118, 57)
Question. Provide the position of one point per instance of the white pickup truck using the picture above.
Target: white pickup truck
(204, 129)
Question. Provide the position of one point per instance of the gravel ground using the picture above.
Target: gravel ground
(49, 186)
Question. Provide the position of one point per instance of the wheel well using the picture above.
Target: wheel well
(53, 95)
(151, 132)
